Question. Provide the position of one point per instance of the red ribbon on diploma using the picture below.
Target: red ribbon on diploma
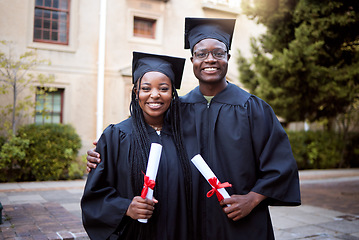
(147, 184)
(215, 186)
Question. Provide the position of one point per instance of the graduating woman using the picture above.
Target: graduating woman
(111, 203)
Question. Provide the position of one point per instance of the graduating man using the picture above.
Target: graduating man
(239, 137)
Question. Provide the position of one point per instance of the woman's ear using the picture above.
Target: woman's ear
(135, 92)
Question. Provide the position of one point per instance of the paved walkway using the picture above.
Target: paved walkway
(51, 210)
(42, 210)
(329, 210)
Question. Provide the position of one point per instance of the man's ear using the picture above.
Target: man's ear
(228, 56)
(191, 59)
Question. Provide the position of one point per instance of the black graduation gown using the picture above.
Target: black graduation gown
(242, 141)
(108, 190)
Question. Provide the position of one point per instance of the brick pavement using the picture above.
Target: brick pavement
(38, 221)
(338, 196)
(50, 210)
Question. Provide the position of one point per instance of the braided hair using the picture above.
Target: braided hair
(140, 147)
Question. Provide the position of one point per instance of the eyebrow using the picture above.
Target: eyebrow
(150, 84)
(201, 49)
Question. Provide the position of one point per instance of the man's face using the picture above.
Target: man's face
(211, 67)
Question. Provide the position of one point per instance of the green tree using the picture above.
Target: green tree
(306, 65)
(15, 77)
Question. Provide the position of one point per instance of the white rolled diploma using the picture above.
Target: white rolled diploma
(152, 167)
(207, 173)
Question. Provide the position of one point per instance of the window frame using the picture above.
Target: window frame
(158, 18)
(151, 21)
(73, 31)
(51, 115)
(67, 11)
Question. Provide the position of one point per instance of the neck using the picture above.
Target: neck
(153, 121)
(212, 89)
(157, 125)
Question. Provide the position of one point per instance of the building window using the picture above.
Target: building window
(144, 27)
(49, 107)
(51, 21)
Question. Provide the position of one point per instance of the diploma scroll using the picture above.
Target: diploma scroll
(207, 173)
(152, 167)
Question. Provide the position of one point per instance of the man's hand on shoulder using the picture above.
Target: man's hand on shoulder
(93, 158)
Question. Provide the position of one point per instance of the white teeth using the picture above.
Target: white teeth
(210, 69)
(154, 104)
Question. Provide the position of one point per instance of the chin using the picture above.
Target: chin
(210, 81)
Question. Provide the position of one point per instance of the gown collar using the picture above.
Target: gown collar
(232, 95)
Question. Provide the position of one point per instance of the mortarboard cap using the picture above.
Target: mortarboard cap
(197, 29)
(172, 67)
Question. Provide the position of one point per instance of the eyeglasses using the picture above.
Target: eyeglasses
(216, 53)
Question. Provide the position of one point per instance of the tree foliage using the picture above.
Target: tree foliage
(20, 83)
(306, 66)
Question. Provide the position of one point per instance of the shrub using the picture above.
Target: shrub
(77, 168)
(12, 157)
(352, 150)
(52, 149)
(316, 149)
(2, 141)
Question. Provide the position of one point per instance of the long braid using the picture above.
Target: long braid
(177, 133)
(139, 151)
(140, 146)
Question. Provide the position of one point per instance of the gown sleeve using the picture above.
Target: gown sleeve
(103, 209)
(277, 169)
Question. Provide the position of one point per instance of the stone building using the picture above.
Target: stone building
(87, 53)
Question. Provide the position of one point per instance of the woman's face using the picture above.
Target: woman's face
(155, 95)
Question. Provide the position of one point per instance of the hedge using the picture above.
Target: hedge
(42, 152)
(324, 149)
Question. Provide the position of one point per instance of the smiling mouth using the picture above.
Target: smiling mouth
(154, 105)
(210, 69)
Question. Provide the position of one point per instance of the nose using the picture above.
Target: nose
(155, 93)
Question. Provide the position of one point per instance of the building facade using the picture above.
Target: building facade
(83, 49)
